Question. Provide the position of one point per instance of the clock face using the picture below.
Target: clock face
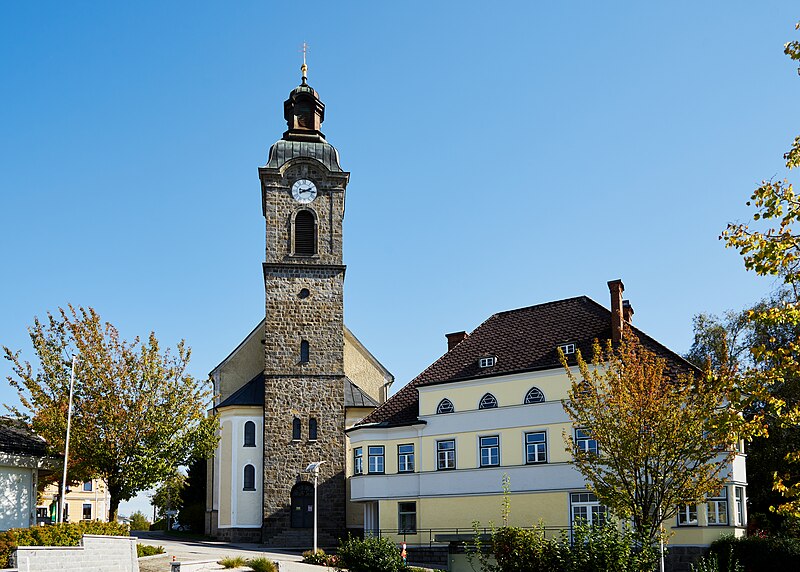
(304, 191)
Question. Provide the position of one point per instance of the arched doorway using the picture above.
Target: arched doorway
(303, 505)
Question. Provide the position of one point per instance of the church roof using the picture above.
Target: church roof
(251, 393)
(354, 396)
(16, 438)
(522, 340)
(283, 151)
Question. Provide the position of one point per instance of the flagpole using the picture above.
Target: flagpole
(66, 445)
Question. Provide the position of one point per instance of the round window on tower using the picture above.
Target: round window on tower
(304, 293)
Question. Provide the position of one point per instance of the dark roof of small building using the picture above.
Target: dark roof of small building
(17, 438)
(522, 340)
(252, 393)
(284, 151)
(354, 396)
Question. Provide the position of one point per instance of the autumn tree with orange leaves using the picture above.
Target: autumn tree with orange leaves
(137, 414)
(664, 438)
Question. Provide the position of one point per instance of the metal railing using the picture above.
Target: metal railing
(423, 536)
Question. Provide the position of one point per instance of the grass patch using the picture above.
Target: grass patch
(147, 550)
(262, 564)
(232, 562)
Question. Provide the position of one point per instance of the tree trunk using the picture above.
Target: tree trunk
(113, 503)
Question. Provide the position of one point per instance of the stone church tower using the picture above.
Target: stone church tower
(303, 193)
(288, 391)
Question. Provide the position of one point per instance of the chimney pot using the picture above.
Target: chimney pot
(616, 288)
(454, 339)
(627, 311)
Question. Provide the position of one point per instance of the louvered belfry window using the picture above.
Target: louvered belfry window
(305, 240)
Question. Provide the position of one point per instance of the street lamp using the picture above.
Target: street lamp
(66, 444)
(314, 468)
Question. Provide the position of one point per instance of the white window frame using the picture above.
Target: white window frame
(83, 511)
(493, 459)
(441, 409)
(741, 506)
(405, 460)
(567, 349)
(530, 392)
(445, 457)
(539, 448)
(380, 460)
(584, 440)
(687, 515)
(488, 401)
(487, 361)
(358, 461)
(585, 505)
(717, 506)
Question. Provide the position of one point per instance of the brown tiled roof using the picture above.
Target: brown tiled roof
(16, 438)
(522, 340)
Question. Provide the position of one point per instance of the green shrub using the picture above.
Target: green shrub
(160, 524)
(147, 550)
(526, 550)
(319, 557)
(139, 521)
(232, 562)
(262, 564)
(65, 534)
(369, 555)
(756, 554)
(603, 548)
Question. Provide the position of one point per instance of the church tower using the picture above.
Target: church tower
(303, 194)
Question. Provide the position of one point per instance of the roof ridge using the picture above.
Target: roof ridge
(543, 304)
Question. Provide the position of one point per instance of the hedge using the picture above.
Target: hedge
(758, 554)
(65, 534)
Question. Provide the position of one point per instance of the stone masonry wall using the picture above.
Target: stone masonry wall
(96, 554)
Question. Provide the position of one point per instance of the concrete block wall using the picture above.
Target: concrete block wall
(96, 554)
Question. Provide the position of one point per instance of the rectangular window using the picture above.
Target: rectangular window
(87, 512)
(584, 441)
(358, 461)
(587, 509)
(375, 453)
(739, 493)
(567, 349)
(406, 518)
(87, 486)
(445, 455)
(687, 515)
(405, 458)
(490, 451)
(718, 509)
(536, 447)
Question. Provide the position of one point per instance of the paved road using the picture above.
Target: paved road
(197, 550)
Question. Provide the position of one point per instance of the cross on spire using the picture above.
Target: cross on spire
(304, 67)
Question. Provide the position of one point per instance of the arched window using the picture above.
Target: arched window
(534, 395)
(249, 434)
(295, 429)
(488, 401)
(304, 351)
(305, 234)
(302, 505)
(445, 406)
(249, 478)
(312, 429)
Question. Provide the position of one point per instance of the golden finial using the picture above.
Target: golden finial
(304, 67)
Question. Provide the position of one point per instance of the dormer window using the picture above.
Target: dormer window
(567, 349)
(487, 361)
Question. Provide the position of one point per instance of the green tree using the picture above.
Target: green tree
(137, 414)
(139, 521)
(772, 248)
(662, 438)
(167, 495)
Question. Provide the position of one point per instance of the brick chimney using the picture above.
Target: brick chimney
(627, 311)
(454, 339)
(616, 288)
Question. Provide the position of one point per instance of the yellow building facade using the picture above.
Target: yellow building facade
(88, 500)
(488, 415)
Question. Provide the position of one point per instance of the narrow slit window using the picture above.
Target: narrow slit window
(304, 351)
(295, 429)
(312, 429)
(249, 480)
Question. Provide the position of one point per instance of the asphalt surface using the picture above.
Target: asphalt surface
(185, 551)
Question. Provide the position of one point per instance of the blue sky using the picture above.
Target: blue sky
(501, 155)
